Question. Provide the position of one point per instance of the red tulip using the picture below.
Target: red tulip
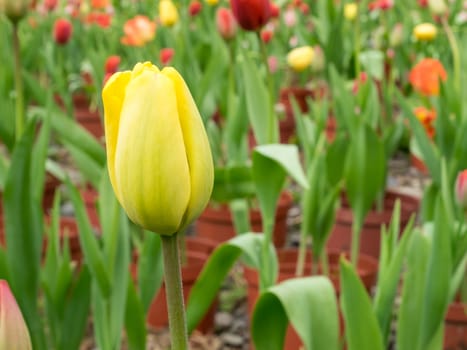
(111, 64)
(226, 23)
(275, 10)
(266, 35)
(166, 55)
(251, 14)
(62, 31)
(194, 8)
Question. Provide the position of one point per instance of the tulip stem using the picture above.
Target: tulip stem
(174, 291)
(271, 117)
(20, 117)
(455, 53)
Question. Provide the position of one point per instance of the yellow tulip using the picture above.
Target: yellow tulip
(300, 58)
(212, 2)
(425, 31)
(159, 159)
(168, 13)
(350, 11)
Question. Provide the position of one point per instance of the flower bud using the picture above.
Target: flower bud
(351, 11)
(13, 331)
(166, 55)
(226, 23)
(14, 9)
(168, 13)
(158, 154)
(251, 14)
(427, 118)
(425, 31)
(319, 60)
(212, 2)
(62, 31)
(275, 10)
(461, 189)
(437, 7)
(266, 35)
(194, 8)
(300, 58)
(396, 35)
(111, 64)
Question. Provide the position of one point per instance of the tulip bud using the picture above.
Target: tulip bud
(425, 31)
(14, 9)
(195, 8)
(319, 60)
(158, 154)
(275, 10)
(266, 35)
(350, 11)
(461, 189)
(290, 18)
(437, 7)
(166, 55)
(423, 3)
(300, 58)
(226, 23)
(251, 14)
(212, 2)
(62, 31)
(111, 64)
(13, 331)
(168, 13)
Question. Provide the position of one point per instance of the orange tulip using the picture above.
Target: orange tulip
(425, 76)
(138, 31)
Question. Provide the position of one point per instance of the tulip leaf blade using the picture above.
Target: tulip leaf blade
(248, 246)
(308, 303)
(361, 326)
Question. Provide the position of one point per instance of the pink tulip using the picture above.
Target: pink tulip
(226, 23)
(13, 331)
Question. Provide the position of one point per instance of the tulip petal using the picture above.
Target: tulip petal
(197, 147)
(113, 95)
(13, 331)
(152, 168)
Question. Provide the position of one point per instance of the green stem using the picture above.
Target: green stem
(357, 43)
(272, 137)
(455, 53)
(324, 262)
(265, 275)
(355, 244)
(301, 254)
(174, 291)
(20, 116)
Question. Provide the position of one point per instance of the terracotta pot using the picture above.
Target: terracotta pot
(455, 331)
(198, 250)
(367, 270)
(341, 235)
(216, 222)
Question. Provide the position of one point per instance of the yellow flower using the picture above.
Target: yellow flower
(212, 2)
(14, 9)
(350, 11)
(300, 58)
(425, 31)
(159, 159)
(168, 13)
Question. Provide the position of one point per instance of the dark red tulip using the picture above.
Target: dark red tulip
(194, 8)
(62, 31)
(251, 14)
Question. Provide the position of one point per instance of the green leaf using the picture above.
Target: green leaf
(389, 270)
(135, 321)
(88, 241)
(372, 61)
(412, 298)
(361, 325)
(150, 268)
(23, 231)
(258, 103)
(249, 246)
(365, 171)
(309, 304)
